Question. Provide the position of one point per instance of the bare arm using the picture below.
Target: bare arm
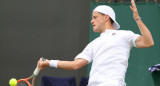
(67, 65)
(72, 65)
(146, 39)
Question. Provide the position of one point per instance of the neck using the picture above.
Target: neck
(108, 26)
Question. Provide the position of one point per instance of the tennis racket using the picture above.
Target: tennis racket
(25, 82)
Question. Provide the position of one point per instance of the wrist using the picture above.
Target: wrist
(53, 63)
(138, 18)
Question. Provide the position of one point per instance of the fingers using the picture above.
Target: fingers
(42, 64)
(41, 59)
(131, 8)
(134, 10)
(39, 64)
(133, 4)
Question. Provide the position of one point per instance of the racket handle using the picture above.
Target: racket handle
(36, 71)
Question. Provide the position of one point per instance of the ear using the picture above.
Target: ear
(107, 17)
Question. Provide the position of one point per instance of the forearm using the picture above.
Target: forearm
(67, 65)
(146, 35)
(71, 65)
(146, 39)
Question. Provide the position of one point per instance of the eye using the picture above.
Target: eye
(94, 17)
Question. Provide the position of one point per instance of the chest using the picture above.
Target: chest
(110, 42)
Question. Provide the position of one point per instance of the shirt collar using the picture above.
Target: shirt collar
(108, 31)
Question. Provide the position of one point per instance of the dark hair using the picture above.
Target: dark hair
(111, 21)
(109, 18)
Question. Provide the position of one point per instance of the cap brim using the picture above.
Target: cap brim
(116, 25)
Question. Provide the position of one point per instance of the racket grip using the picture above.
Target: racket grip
(36, 71)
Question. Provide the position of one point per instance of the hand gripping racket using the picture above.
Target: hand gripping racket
(25, 82)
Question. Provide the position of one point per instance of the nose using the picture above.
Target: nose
(92, 21)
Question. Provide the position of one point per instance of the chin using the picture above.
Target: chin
(96, 31)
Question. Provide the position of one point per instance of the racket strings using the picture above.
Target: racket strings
(22, 83)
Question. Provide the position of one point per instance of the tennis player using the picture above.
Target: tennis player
(108, 53)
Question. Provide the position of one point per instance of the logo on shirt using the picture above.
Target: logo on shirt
(113, 34)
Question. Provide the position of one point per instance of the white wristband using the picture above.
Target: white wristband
(53, 63)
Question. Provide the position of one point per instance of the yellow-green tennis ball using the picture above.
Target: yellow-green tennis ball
(12, 82)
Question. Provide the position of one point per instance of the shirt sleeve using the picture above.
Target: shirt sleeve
(86, 53)
(133, 38)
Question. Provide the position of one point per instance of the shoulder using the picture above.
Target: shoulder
(93, 41)
(127, 34)
(125, 31)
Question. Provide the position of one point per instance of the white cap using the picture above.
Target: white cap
(108, 11)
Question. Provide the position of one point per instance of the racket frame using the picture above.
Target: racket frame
(25, 80)
(33, 77)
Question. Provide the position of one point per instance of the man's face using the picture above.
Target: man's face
(98, 22)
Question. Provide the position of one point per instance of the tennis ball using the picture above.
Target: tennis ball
(12, 82)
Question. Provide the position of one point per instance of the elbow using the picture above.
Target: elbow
(150, 44)
(75, 66)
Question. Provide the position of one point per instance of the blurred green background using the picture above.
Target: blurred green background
(140, 59)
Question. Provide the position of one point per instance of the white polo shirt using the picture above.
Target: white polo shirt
(109, 55)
